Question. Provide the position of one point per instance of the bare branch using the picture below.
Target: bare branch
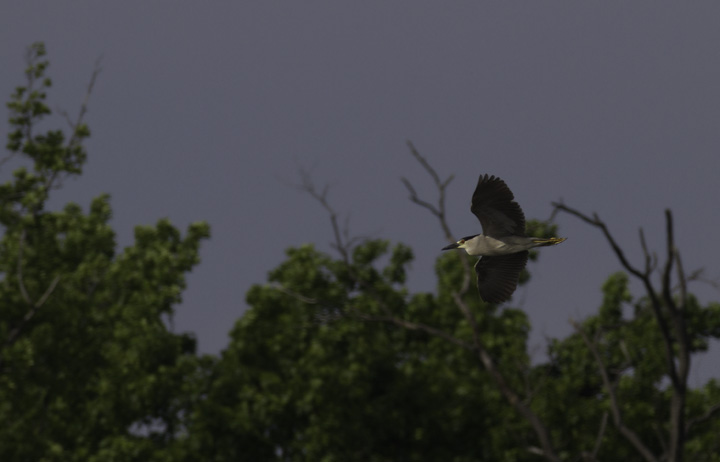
(438, 211)
(416, 199)
(655, 302)
(666, 285)
(350, 312)
(650, 259)
(486, 362)
(485, 358)
(15, 332)
(679, 381)
(629, 434)
(489, 365)
(418, 326)
(427, 167)
(668, 315)
(302, 298)
(709, 414)
(83, 108)
(75, 138)
(682, 280)
(21, 283)
(601, 433)
(595, 221)
(699, 276)
(48, 292)
(308, 186)
(7, 158)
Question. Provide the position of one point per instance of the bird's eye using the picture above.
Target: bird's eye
(462, 241)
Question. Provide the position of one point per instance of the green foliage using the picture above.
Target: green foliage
(299, 383)
(315, 372)
(88, 368)
(335, 360)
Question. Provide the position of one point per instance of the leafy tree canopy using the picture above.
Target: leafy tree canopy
(335, 360)
(88, 368)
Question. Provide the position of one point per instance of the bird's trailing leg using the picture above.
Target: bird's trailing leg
(549, 241)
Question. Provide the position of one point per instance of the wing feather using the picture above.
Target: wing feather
(494, 205)
(498, 276)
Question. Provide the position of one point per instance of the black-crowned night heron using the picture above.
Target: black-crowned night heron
(504, 246)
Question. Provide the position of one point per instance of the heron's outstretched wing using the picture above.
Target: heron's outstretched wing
(494, 205)
(498, 276)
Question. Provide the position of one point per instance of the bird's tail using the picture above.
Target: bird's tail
(540, 242)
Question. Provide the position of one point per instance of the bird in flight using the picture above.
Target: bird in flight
(503, 248)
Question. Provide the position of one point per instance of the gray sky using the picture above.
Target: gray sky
(206, 111)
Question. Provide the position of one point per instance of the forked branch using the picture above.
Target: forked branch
(669, 312)
(33, 306)
(628, 433)
(547, 450)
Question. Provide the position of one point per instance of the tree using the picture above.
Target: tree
(88, 368)
(335, 360)
(669, 320)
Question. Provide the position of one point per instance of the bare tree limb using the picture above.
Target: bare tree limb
(677, 401)
(629, 434)
(439, 210)
(707, 415)
(15, 332)
(486, 362)
(308, 186)
(75, 138)
(419, 326)
(650, 259)
(484, 356)
(669, 312)
(595, 221)
(489, 365)
(7, 158)
(350, 312)
(21, 283)
(698, 276)
(655, 301)
(34, 306)
(601, 433)
(83, 107)
(592, 456)
(666, 286)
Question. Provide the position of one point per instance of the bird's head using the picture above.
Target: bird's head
(461, 244)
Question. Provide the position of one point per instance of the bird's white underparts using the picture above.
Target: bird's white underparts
(503, 246)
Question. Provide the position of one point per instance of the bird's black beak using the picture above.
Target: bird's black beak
(451, 246)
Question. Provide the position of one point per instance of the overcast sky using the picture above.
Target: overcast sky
(207, 110)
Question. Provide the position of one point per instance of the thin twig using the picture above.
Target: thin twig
(698, 276)
(439, 210)
(84, 105)
(650, 259)
(308, 186)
